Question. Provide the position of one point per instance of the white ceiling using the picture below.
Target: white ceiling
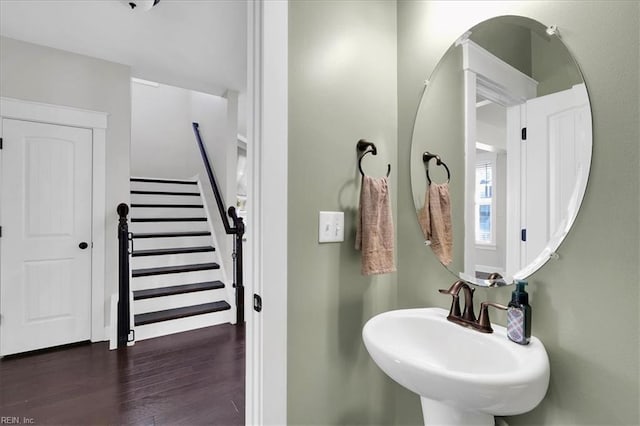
(194, 44)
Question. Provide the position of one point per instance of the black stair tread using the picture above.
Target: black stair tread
(169, 219)
(169, 206)
(176, 250)
(153, 180)
(170, 234)
(174, 269)
(137, 191)
(188, 311)
(177, 289)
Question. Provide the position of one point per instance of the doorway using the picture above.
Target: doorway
(266, 248)
(46, 212)
(52, 245)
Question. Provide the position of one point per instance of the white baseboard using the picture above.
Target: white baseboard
(113, 327)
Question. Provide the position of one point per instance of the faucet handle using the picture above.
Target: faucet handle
(454, 310)
(484, 323)
(455, 288)
(445, 291)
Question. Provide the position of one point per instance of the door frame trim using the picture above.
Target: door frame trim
(96, 122)
(266, 261)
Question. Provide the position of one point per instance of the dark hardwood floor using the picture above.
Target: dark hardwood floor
(192, 378)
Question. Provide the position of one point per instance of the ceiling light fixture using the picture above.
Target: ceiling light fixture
(142, 4)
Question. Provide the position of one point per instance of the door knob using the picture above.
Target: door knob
(83, 245)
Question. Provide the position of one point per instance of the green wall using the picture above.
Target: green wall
(585, 305)
(508, 41)
(552, 67)
(342, 87)
(439, 124)
(344, 84)
(530, 51)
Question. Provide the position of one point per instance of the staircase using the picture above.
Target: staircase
(176, 276)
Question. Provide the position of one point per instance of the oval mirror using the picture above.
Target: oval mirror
(501, 150)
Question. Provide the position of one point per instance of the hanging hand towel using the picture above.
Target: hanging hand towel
(435, 221)
(374, 230)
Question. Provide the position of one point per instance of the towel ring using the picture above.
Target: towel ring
(426, 157)
(365, 147)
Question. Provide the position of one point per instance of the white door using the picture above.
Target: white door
(45, 214)
(557, 154)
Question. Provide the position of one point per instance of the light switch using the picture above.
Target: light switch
(331, 227)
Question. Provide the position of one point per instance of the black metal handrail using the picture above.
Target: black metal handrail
(236, 228)
(124, 309)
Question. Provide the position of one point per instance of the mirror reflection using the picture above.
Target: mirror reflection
(507, 110)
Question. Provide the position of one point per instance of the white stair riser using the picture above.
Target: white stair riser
(183, 324)
(178, 301)
(167, 212)
(173, 242)
(141, 262)
(155, 186)
(165, 199)
(166, 280)
(144, 227)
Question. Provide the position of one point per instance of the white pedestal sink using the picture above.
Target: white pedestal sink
(463, 377)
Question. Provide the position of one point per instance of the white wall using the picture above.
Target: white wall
(42, 74)
(163, 144)
(491, 130)
(494, 257)
(491, 124)
(162, 140)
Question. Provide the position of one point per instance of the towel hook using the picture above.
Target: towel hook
(365, 147)
(426, 157)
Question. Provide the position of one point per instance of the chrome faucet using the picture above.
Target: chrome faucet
(468, 317)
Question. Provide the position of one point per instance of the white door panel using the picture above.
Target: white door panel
(557, 154)
(45, 278)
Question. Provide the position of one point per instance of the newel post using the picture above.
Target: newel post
(124, 312)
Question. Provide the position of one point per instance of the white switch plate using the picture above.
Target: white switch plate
(331, 227)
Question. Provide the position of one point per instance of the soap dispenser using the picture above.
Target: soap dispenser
(519, 315)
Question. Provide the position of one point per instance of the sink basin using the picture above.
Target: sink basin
(462, 376)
